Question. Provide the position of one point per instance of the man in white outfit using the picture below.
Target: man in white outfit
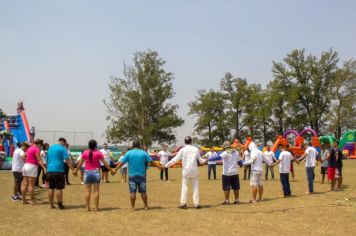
(256, 180)
(189, 155)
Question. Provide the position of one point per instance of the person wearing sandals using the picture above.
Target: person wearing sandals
(92, 158)
(230, 174)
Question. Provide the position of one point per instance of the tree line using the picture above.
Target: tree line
(306, 91)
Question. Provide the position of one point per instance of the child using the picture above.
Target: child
(324, 164)
(163, 159)
(19, 157)
(123, 169)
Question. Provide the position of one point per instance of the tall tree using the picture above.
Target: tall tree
(308, 82)
(235, 92)
(343, 110)
(211, 123)
(139, 105)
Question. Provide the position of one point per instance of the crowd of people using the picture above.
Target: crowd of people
(94, 165)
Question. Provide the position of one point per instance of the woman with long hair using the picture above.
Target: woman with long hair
(91, 158)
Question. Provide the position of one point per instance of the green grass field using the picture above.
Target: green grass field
(323, 213)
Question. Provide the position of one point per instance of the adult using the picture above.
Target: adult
(163, 156)
(247, 168)
(138, 160)
(57, 155)
(271, 159)
(211, 164)
(334, 153)
(108, 158)
(30, 171)
(190, 156)
(18, 159)
(44, 160)
(230, 174)
(285, 159)
(66, 166)
(324, 164)
(91, 158)
(310, 156)
(256, 180)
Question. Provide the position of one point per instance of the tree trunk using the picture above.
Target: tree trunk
(210, 136)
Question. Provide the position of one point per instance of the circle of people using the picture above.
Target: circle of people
(28, 161)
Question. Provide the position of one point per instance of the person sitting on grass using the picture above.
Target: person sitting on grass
(137, 160)
(92, 158)
(285, 159)
(230, 175)
(56, 154)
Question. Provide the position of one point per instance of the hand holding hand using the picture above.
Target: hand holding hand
(113, 171)
(75, 173)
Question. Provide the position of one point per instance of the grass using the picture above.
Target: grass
(323, 213)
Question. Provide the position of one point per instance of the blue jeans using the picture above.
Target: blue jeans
(91, 177)
(285, 183)
(137, 183)
(211, 167)
(310, 176)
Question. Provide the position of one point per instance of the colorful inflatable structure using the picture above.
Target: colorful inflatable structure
(15, 129)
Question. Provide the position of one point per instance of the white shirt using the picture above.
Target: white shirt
(211, 154)
(247, 155)
(310, 158)
(44, 156)
(269, 156)
(189, 156)
(285, 159)
(124, 165)
(256, 160)
(230, 163)
(324, 155)
(17, 161)
(106, 154)
(163, 157)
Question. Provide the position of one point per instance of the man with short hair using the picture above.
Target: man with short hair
(211, 164)
(271, 159)
(285, 159)
(138, 160)
(56, 156)
(108, 158)
(163, 156)
(310, 156)
(190, 156)
(18, 159)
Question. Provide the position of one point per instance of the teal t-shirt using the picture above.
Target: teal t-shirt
(55, 158)
(137, 160)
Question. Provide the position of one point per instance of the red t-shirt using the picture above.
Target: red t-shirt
(94, 163)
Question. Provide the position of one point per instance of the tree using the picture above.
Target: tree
(343, 110)
(211, 124)
(235, 93)
(139, 105)
(308, 83)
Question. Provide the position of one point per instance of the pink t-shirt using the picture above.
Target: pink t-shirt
(95, 162)
(31, 155)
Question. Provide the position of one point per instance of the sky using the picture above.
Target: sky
(58, 55)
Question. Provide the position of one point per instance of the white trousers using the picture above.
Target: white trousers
(184, 193)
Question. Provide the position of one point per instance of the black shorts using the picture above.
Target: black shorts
(104, 169)
(56, 180)
(230, 182)
(324, 170)
(17, 177)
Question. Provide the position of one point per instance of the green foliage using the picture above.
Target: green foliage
(139, 105)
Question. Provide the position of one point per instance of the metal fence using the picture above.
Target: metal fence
(73, 138)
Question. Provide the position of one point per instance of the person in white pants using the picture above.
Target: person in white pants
(189, 155)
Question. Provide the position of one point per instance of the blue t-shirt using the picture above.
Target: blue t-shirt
(55, 158)
(137, 160)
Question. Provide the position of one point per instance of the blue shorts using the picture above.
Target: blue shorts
(137, 182)
(91, 177)
(123, 171)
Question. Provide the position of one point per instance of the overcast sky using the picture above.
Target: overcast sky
(58, 55)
